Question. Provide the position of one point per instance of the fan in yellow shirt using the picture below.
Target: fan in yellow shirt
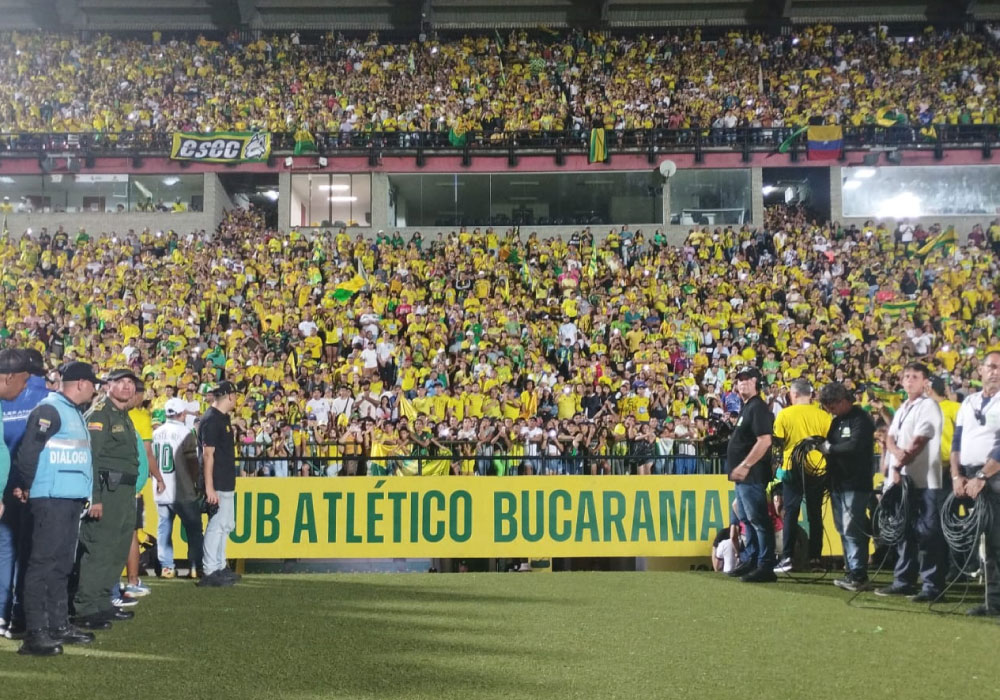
(800, 420)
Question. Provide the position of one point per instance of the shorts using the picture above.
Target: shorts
(140, 513)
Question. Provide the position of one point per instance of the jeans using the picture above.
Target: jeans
(190, 515)
(793, 491)
(923, 549)
(850, 517)
(992, 564)
(217, 532)
(760, 530)
(11, 566)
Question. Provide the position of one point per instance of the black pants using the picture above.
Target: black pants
(792, 492)
(55, 528)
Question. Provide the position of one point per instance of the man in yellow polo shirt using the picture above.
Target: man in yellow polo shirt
(800, 420)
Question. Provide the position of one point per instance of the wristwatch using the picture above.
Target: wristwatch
(981, 475)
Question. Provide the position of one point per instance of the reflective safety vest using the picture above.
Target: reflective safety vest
(65, 465)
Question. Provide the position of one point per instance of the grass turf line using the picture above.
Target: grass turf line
(471, 636)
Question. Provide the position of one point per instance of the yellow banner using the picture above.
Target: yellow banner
(448, 516)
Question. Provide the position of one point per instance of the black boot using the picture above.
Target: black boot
(39, 643)
(71, 635)
(97, 621)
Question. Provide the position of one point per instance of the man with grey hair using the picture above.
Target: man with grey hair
(799, 421)
(850, 443)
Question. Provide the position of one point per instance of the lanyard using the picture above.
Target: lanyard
(908, 407)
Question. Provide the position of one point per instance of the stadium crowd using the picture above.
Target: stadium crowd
(436, 354)
(495, 84)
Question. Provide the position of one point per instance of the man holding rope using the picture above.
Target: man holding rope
(975, 463)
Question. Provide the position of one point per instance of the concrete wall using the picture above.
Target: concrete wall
(97, 223)
(217, 197)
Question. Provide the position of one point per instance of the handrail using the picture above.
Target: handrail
(651, 141)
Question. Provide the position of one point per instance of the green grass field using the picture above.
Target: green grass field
(569, 635)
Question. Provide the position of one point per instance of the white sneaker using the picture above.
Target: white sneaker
(120, 602)
(4, 630)
(783, 567)
(525, 566)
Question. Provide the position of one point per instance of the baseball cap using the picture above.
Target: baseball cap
(122, 374)
(35, 362)
(13, 361)
(748, 371)
(175, 407)
(224, 389)
(75, 371)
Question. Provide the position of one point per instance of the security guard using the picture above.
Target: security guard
(54, 474)
(106, 535)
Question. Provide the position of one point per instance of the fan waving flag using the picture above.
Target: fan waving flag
(824, 142)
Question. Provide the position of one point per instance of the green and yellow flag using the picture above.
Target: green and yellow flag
(304, 142)
(598, 146)
(946, 238)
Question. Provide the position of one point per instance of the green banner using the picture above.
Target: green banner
(222, 146)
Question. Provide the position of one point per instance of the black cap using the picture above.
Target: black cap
(224, 389)
(13, 361)
(74, 371)
(35, 361)
(748, 371)
(122, 374)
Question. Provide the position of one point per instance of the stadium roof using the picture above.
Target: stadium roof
(416, 15)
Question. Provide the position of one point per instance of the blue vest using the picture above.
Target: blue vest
(65, 466)
(15, 412)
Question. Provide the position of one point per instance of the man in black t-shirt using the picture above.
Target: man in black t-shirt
(748, 461)
(218, 456)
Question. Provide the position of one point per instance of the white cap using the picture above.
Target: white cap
(175, 407)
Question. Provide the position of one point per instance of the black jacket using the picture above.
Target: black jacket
(852, 445)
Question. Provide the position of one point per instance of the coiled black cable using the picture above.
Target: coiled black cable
(893, 513)
(801, 465)
(963, 520)
(800, 456)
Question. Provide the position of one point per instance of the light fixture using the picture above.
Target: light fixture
(768, 189)
(171, 181)
(864, 173)
(904, 205)
(272, 195)
(852, 185)
(335, 188)
(7, 180)
(341, 198)
(288, 161)
(322, 161)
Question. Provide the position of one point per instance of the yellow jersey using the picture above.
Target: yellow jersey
(798, 422)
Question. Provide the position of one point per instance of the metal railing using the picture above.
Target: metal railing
(480, 465)
(651, 141)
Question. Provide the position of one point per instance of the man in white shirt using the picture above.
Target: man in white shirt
(319, 407)
(975, 463)
(913, 451)
(343, 403)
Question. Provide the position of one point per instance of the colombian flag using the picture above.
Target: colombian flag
(824, 142)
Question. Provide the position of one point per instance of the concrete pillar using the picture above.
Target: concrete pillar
(757, 196)
(836, 195)
(284, 200)
(380, 202)
(666, 202)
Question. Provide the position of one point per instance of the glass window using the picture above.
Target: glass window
(708, 197)
(100, 193)
(325, 199)
(528, 199)
(167, 193)
(911, 191)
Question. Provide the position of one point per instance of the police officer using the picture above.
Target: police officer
(850, 443)
(54, 474)
(106, 535)
(975, 463)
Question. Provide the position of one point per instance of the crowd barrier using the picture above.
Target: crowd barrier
(685, 140)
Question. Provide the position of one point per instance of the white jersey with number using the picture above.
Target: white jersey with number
(167, 442)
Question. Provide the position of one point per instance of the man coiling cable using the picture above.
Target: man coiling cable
(975, 464)
(848, 449)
